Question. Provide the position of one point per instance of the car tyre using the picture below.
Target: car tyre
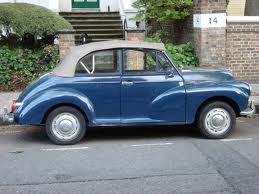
(65, 125)
(216, 120)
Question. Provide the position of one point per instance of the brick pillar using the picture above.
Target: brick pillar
(66, 39)
(135, 34)
(209, 21)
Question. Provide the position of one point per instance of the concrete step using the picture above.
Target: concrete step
(96, 26)
(92, 18)
(99, 31)
(79, 42)
(89, 13)
(82, 22)
(100, 34)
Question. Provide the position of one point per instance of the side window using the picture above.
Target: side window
(164, 65)
(145, 61)
(99, 62)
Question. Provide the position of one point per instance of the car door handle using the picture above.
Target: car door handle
(127, 83)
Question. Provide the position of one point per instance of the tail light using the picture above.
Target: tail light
(15, 106)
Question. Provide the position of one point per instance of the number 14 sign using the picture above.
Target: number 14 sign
(216, 20)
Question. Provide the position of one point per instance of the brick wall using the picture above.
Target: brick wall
(135, 34)
(66, 41)
(210, 42)
(242, 52)
(210, 47)
(209, 6)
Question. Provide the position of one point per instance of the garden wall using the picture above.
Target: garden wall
(242, 47)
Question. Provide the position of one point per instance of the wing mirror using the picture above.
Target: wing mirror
(171, 73)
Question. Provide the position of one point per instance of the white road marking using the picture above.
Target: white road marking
(65, 149)
(10, 132)
(151, 144)
(238, 139)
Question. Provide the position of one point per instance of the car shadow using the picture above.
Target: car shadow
(38, 135)
(131, 133)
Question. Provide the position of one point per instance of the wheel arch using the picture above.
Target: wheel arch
(225, 99)
(60, 105)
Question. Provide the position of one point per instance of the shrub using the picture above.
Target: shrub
(182, 54)
(18, 67)
(162, 10)
(158, 15)
(23, 18)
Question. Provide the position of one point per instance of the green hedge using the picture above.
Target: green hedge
(25, 18)
(182, 54)
(18, 67)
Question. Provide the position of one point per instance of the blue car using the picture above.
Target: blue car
(126, 83)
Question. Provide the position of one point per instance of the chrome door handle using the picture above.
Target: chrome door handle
(127, 83)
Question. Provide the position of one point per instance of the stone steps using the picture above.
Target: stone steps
(95, 22)
(90, 14)
(97, 25)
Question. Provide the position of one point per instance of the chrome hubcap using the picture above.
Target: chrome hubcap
(217, 121)
(65, 126)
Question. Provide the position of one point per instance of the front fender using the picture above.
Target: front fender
(197, 94)
(35, 107)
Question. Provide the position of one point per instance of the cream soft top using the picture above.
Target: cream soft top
(67, 66)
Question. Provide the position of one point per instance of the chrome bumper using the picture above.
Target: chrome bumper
(250, 110)
(7, 117)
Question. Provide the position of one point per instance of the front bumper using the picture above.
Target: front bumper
(250, 110)
(7, 117)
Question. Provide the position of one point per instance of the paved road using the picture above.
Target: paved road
(131, 160)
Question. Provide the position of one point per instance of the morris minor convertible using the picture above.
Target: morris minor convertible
(127, 83)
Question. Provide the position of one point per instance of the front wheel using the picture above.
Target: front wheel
(65, 126)
(216, 120)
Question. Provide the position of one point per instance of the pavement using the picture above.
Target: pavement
(131, 160)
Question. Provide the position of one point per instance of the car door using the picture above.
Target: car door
(98, 76)
(150, 91)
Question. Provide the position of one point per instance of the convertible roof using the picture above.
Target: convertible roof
(67, 66)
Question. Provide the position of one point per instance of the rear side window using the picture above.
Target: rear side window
(100, 62)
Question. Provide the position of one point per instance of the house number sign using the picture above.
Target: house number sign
(216, 20)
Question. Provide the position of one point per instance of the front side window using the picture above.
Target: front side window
(99, 62)
(145, 61)
(164, 65)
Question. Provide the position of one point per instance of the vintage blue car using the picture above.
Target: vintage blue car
(124, 83)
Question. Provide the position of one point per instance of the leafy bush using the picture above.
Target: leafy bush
(159, 15)
(162, 10)
(19, 66)
(23, 18)
(182, 54)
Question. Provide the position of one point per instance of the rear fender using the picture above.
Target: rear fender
(34, 108)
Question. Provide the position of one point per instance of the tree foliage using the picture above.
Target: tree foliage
(23, 18)
(162, 10)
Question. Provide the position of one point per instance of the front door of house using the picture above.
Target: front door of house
(85, 3)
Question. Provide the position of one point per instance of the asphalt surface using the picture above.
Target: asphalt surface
(131, 160)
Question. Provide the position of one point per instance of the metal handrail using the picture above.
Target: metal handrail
(125, 26)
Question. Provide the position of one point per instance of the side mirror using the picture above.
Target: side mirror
(171, 73)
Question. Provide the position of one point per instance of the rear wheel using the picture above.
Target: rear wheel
(65, 126)
(216, 120)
